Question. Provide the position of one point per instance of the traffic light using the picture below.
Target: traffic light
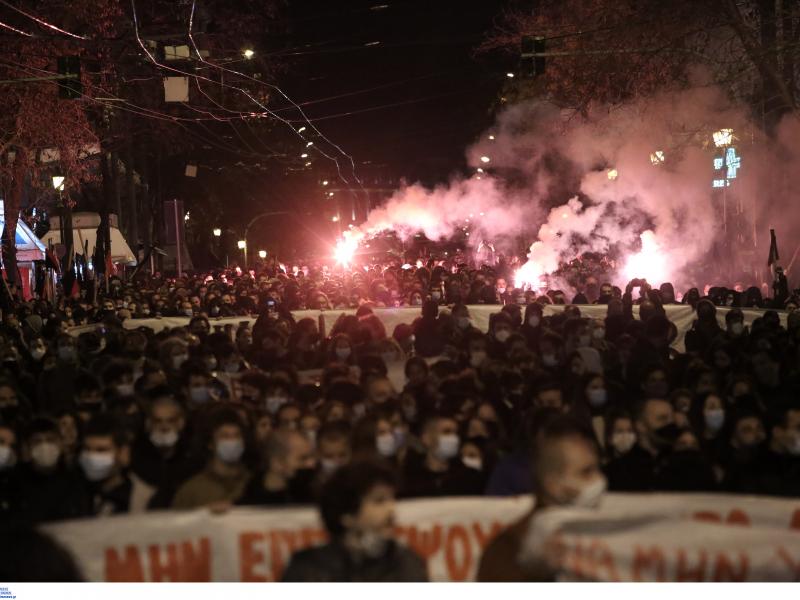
(532, 65)
(69, 88)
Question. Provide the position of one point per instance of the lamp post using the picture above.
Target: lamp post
(66, 233)
(243, 241)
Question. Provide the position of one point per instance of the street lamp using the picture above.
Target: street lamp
(217, 232)
(262, 254)
(248, 53)
(58, 183)
(243, 247)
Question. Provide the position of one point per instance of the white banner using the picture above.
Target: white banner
(682, 316)
(256, 544)
(632, 537)
(671, 537)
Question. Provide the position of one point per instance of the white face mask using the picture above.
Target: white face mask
(502, 335)
(343, 353)
(534, 320)
(463, 322)
(178, 360)
(96, 465)
(737, 328)
(230, 451)
(370, 543)
(714, 418)
(501, 290)
(124, 389)
(274, 403)
(38, 353)
(164, 439)
(623, 441)
(45, 454)
(599, 333)
(590, 494)
(597, 396)
(8, 458)
(447, 446)
(328, 466)
(549, 360)
(473, 462)
(386, 444)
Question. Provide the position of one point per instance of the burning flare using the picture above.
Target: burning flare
(649, 263)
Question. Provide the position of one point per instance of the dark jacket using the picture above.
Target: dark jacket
(55, 496)
(334, 563)
(164, 472)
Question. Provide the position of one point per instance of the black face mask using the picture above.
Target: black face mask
(300, 485)
(9, 414)
(665, 436)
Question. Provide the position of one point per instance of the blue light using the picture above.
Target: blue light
(733, 162)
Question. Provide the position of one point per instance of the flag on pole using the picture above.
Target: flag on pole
(773, 249)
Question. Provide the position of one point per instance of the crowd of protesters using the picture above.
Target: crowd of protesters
(119, 418)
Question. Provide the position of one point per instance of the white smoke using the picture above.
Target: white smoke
(547, 177)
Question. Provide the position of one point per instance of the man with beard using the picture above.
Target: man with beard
(357, 505)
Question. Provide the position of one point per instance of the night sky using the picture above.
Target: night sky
(415, 99)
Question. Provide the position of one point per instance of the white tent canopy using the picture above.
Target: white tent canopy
(84, 229)
(29, 248)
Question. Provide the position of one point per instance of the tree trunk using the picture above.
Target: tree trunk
(13, 202)
(103, 248)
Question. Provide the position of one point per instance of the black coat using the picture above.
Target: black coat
(333, 563)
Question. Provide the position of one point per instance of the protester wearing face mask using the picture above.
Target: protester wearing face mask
(48, 490)
(162, 457)
(428, 340)
(288, 475)
(533, 325)
(225, 477)
(197, 385)
(742, 464)
(436, 472)
(566, 472)
(103, 460)
(357, 505)
(501, 330)
(637, 470)
(780, 464)
(334, 449)
(620, 434)
(341, 350)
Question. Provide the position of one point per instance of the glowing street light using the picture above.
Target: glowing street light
(304, 155)
(248, 53)
(723, 137)
(479, 170)
(612, 174)
(335, 218)
(241, 244)
(325, 182)
(302, 129)
(510, 75)
(217, 232)
(58, 183)
(485, 159)
(657, 157)
(262, 254)
(491, 137)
